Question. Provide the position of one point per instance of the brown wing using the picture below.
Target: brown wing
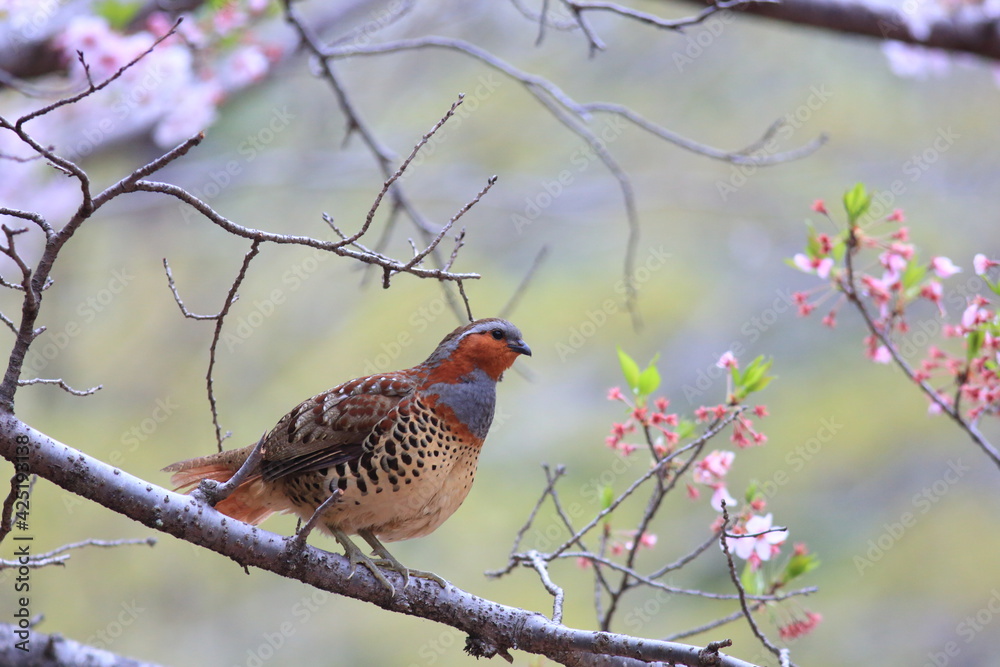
(331, 428)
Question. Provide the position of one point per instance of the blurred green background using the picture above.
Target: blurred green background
(869, 447)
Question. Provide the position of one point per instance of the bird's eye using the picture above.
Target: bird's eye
(497, 334)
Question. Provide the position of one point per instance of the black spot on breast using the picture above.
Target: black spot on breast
(407, 459)
(341, 484)
(390, 447)
(362, 485)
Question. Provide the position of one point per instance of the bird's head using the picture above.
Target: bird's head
(491, 345)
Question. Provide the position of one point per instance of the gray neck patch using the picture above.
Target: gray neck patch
(473, 399)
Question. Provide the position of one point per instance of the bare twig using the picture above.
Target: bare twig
(741, 157)
(399, 172)
(525, 282)
(734, 575)
(448, 225)
(230, 299)
(376, 259)
(91, 89)
(539, 563)
(7, 512)
(177, 297)
(62, 385)
(59, 556)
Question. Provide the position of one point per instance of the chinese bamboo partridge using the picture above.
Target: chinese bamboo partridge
(401, 447)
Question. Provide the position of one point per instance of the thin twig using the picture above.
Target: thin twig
(230, 299)
(538, 562)
(6, 514)
(399, 171)
(653, 470)
(177, 297)
(62, 385)
(490, 182)
(91, 89)
(551, 479)
(525, 282)
(739, 586)
(59, 556)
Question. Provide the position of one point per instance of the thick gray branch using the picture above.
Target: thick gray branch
(979, 37)
(491, 625)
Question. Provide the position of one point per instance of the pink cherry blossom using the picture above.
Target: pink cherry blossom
(881, 355)
(896, 216)
(759, 542)
(721, 494)
(821, 266)
(981, 264)
(714, 467)
(974, 314)
(819, 206)
(727, 360)
(944, 267)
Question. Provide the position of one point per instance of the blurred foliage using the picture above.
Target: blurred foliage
(850, 447)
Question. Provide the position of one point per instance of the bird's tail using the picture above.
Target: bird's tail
(250, 502)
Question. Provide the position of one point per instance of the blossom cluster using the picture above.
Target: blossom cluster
(170, 94)
(890, 286)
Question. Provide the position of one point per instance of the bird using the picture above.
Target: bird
(399, 449)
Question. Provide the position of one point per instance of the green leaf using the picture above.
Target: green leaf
(993, 286)
(119, 13)
(798, 565)
(607, 496)
(974, 343)
(685, 428)
(856, 202)
(752, 490)
(649, 379)
(913, 275)
(752, 580)
(630, 370)
(813, 247)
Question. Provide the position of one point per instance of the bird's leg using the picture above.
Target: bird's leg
(389, 562)
(355, 555)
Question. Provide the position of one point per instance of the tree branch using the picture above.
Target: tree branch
(489, 624)
(978, 37)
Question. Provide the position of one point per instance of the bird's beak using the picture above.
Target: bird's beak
(520, 346)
